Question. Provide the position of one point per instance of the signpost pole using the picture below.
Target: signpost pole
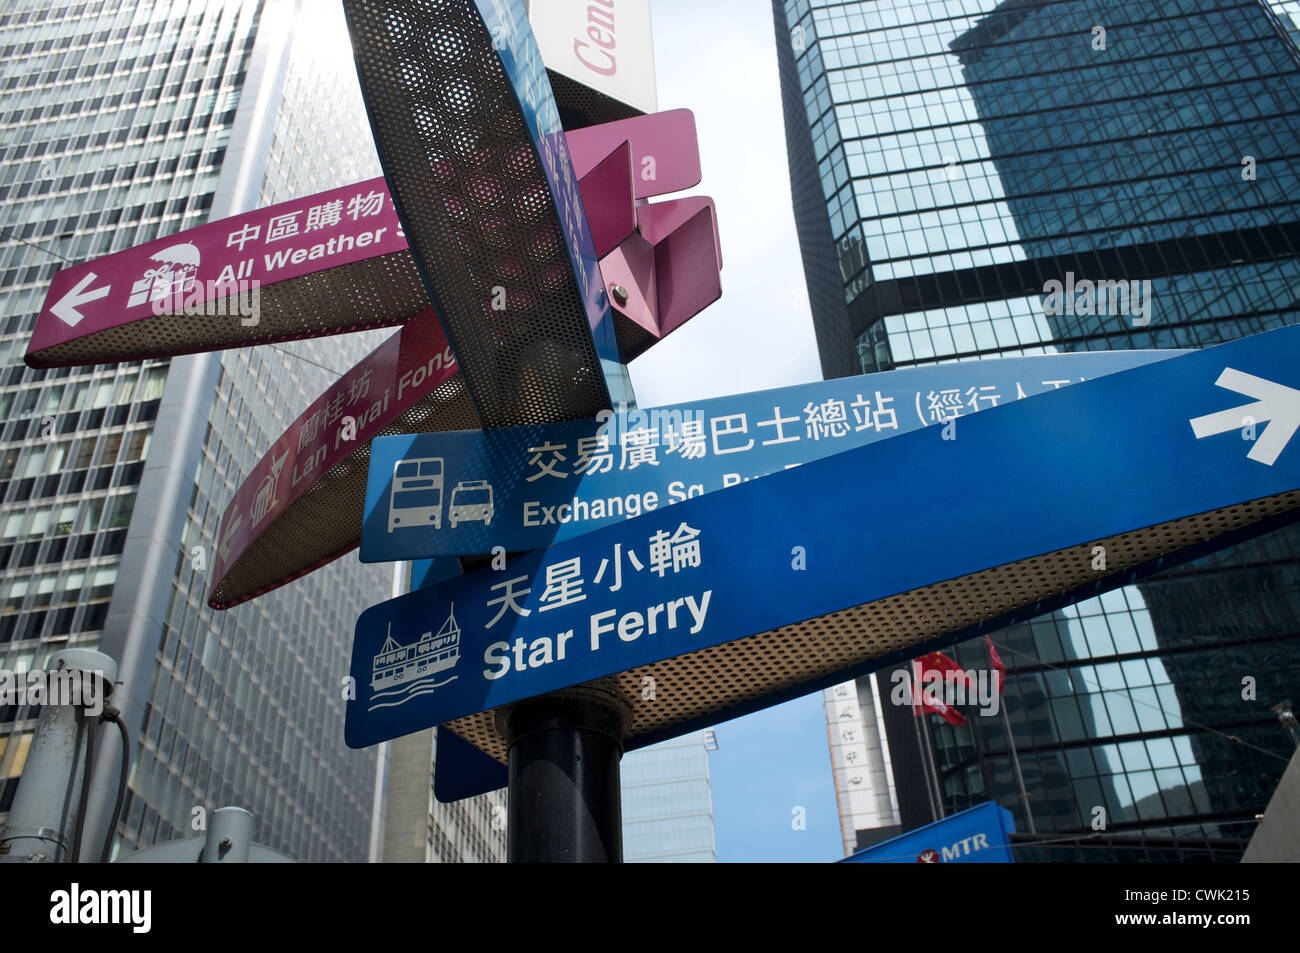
(565, 799)
(53, 781)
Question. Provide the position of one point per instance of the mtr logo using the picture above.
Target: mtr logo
(957, 850)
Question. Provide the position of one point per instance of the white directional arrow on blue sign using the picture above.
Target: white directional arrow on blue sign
(463, 493)
(1275, 403)
(835, 568)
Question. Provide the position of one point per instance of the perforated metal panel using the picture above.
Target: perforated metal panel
(477, 209)
(701, 683)
(325, 522)
(377, 293)
(633, 338)
(581, 106)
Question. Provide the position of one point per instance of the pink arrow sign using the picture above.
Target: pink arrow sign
(661, 262)
(326, 264)
(301, 506)
(665, 150)
(275, 274)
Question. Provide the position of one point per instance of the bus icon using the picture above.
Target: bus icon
(416, 498)
(471, 501)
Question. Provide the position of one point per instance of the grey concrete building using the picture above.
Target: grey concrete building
(122, 122)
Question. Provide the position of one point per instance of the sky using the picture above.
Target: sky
(719, 60)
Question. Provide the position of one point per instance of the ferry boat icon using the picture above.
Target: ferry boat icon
(397, 666)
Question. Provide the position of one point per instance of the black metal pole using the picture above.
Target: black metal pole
(565, 805)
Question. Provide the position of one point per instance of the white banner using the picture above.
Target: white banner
(605, 44)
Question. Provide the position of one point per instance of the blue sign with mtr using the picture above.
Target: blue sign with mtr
(977, 835)
(1090, 462)
(522, 488)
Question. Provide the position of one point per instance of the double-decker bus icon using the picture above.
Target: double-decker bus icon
(416, 498)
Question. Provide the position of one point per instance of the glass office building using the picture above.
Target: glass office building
(667, 802)
(948, 160)
(117, 122)
(124, 121)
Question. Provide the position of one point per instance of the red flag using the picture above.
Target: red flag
(923, 701)
(996, 660)
(942, 663)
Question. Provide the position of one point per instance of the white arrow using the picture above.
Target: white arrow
(66, 308)
(1273, 402)
(224, 548)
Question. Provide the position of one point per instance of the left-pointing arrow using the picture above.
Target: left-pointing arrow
(1276, 403)
(66, 307)
(233, 528)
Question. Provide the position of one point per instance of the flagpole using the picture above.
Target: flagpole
(1001, 672)
(1015, 762)
(932, 793)
(934, 770)
(920, 747)
(933, 790)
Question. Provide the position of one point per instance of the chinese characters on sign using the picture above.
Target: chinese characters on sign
(534, 486)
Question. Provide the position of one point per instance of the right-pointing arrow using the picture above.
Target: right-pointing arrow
(66, 307)
(1273, 402)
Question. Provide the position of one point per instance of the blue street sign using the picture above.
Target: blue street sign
(462, 770)
(522, 488)
(977, 835)
(512, 37)
(1041, 480)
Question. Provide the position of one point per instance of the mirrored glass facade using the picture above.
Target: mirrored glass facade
(949, 160)
(667, 803)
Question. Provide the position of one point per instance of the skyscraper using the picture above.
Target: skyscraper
(667, 802)
(860, 757)
(123, 122)
(950, 163)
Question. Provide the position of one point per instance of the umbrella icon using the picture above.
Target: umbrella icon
(178, 265)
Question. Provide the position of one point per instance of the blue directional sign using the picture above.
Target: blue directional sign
(906, 543)
(522, 59)
(521, 488)
(977, 835)
(464, 770)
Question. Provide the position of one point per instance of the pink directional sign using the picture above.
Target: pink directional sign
(661, 262)
(301, 506)
(303, 268)
(672, 269)
(665, 150)
(304, 503)
(326, 264)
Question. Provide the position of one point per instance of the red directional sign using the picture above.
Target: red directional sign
(338, 262)
(301, 506)
(325, 264)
